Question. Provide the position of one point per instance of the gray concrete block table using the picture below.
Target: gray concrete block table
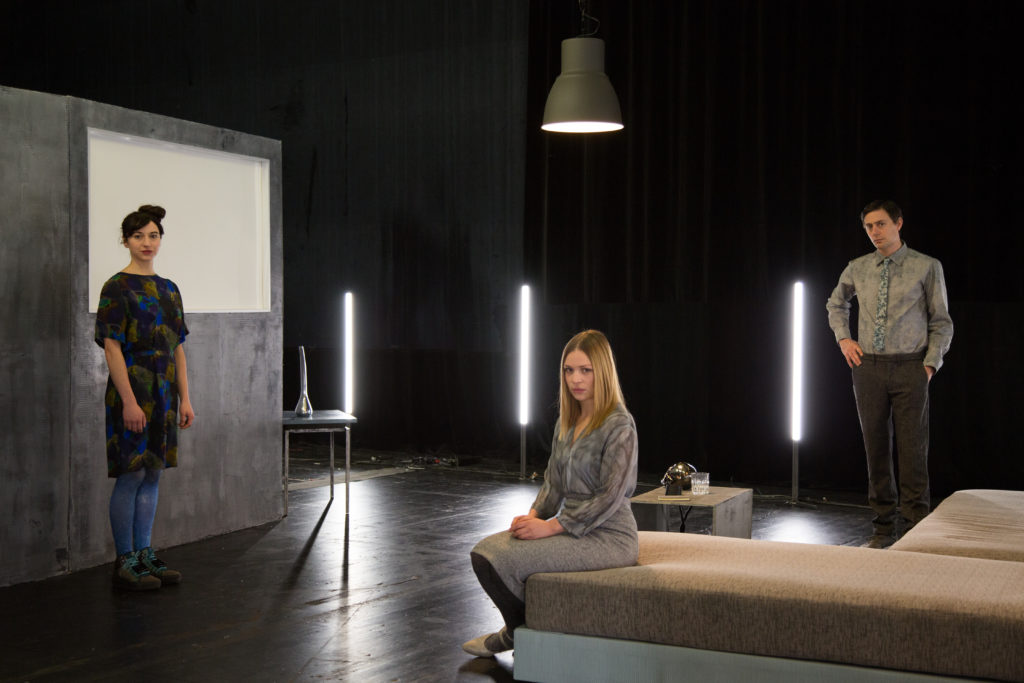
(731, 509)
(330, 421)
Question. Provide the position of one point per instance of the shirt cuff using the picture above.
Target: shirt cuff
(572, 528)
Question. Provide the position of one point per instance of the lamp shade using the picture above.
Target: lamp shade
(582, 100)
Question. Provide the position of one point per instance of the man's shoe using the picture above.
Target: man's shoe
(878, 541)
(157, 567)
(129, 574)
(489, 645)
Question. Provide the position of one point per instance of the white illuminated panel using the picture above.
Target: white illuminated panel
(217, 241)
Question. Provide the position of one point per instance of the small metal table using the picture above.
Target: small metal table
(330, 421)
(732, 510)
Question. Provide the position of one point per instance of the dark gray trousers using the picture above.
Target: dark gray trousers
(892, 399)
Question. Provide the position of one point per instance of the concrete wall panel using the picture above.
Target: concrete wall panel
(34, 341)
(229, 472)
(55, 502)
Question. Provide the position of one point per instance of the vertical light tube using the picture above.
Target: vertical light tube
(524, 355)
(524, 375)
(796, 407)
(348, 355)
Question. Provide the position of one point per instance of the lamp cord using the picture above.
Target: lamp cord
(682, 518)
(584, 15)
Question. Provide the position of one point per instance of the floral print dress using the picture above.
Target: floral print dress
(145, 314)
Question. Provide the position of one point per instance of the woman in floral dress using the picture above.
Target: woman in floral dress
(140, 324)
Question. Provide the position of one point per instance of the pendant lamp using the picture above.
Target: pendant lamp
(582, 99)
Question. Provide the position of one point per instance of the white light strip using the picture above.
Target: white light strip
(798, 360)
(524, 356)
(582, 127)
(349, 333)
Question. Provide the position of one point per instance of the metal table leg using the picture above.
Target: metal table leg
(285, 477)
(348, 460)
(332, 465)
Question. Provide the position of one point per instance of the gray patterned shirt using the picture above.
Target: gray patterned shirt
(918, 312)
(589, 481)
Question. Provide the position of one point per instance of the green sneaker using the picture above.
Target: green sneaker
(129, 574)
(157, 567)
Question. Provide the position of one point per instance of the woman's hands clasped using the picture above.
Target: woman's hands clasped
(530, 527)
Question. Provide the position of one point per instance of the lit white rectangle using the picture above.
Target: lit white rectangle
(217, 230)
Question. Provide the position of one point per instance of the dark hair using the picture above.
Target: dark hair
(137, 220)
(887, 205)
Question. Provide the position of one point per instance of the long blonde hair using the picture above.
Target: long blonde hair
(607, 392)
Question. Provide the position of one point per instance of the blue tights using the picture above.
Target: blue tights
(132, 509)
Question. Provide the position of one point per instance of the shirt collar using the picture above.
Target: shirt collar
(896, 256)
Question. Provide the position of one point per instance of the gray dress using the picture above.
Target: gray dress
(587, 486)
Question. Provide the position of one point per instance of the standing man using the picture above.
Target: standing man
(904, 330)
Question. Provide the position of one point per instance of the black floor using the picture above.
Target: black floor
(389, 596)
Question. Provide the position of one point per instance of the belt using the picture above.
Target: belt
(893, 357)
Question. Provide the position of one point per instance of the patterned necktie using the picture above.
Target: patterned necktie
(881, 312)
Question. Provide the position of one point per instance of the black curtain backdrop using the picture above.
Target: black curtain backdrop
(402, 125)
(755, 133)
(416, 175)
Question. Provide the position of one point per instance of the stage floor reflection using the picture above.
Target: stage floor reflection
(387, 595)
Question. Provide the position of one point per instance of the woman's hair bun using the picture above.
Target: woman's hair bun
(157, 212)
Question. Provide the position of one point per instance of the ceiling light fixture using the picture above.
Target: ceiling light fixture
(582, 99)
